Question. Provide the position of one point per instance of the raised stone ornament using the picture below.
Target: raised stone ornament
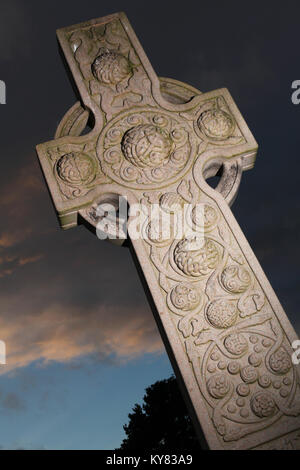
(146, 146)
(196, 258)
(222, 313)
(236, 344)
(216, 124)
(235, 279)
(76, 168)
(155, 142)
(185, 297)
(111, 67)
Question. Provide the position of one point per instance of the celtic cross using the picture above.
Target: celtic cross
(156, 141)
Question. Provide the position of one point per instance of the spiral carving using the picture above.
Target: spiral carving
(233, 368)
(243, 390)
(264, 381)
(235, 279)
(249, 375)
(185, 297)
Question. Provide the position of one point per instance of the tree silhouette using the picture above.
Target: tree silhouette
(162, 422)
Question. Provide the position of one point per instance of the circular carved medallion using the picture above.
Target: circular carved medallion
(196, 259)
(111, 67)
(218, 386)
(185, 297)
(263, 405)
(249, 375)
(222, 313)
(216, 124)
(146, 146)
(206, 218)
(76, 168)
(146, 149)
(235, 279)
(280, 361)
(236, 344)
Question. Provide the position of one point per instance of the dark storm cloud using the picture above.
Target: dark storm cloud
(15, 30)
(66, 294)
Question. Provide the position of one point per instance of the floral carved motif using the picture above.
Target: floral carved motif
(232, 338)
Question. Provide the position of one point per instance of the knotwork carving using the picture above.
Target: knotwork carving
(231, 336)
(145, 148)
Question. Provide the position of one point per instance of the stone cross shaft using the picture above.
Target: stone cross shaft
(156, 141)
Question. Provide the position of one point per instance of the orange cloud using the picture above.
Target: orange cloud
(37, 328)
(62, 336)
(9, 239)
(11, 262)
(30, 259)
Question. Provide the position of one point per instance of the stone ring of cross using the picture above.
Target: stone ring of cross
(155, 142)
(77, 118)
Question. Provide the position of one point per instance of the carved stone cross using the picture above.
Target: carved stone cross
(156, 141)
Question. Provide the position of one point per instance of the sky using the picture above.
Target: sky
(81, 340)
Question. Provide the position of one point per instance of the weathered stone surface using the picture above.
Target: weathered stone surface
(155, 142)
